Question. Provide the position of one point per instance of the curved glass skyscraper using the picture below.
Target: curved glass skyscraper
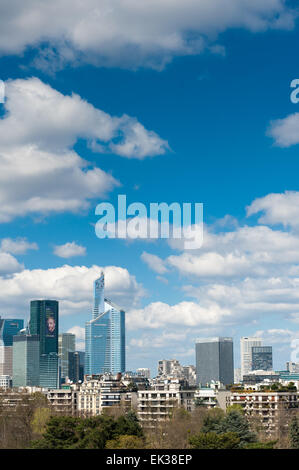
(104, 335)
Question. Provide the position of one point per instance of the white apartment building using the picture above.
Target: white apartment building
(144, 372)
(246, 343)
(173, 368)
(268, 406)
(96, 395)
(5, 382)
(214, 396)
(158, 403)
(64, 400)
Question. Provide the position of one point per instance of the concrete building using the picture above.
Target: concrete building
(269, 407)
(168, 368)
(64, 400)
(211, 397)
(246, 344)
(144, 372)
(98, 393)
(214, 360)
(5, 382)
(292, 367)
(158, 403)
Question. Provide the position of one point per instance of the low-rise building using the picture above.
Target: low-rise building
(158, 403)
(98, 393)
(5, 382)
(211, 397)
(64, 400)
(268, 406)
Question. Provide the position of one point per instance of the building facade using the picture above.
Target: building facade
(158, 403)
(269, 407)
(44, 323)
(214, 360)
(8, 329)
(26, 360)
(66, 345)
(105, 335)
(246, 345)
(262, 358)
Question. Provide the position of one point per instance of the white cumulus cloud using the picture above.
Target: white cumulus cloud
(70, 249)
(130, 33)
(37, 134)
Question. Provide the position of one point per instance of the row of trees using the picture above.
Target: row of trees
(32, 423)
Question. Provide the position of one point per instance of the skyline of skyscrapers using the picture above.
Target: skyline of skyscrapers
(105, 346)
(104, 335)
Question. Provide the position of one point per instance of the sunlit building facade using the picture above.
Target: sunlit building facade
(104, 335)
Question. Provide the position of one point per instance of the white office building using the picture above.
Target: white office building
(246, 344)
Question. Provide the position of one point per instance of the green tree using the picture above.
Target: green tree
(213, 420)
(128, 425)
(236, 422)
(126, 442)
(66, 432)
(212, 440)
(294, 433)
(61, 433)
(40, 418)
(260, 445)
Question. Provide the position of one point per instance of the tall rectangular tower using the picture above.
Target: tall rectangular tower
(26, 360)
(66, 345)
(8, 329)
(246, 345)
(44, 323)
(105, 335)
(214, 360)
(262, 358)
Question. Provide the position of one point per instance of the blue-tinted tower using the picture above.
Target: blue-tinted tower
(105, 335)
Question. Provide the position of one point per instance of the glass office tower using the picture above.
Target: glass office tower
(214, 360)
(44, 323)
(66, 345)
(104, 335)
(26, 360)
(262, 358)
(8, 329)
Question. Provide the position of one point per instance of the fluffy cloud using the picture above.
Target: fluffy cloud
(36, 151)
(154, 262)
(256, 251)
(71, 285)
(160, 314)
(79, 331)
(285, 132)
(279, 208)
(18, 246)
(238, 276)
(130, 33)
(9, 264)
(70, 249)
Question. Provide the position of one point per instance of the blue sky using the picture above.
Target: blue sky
(214, 87)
